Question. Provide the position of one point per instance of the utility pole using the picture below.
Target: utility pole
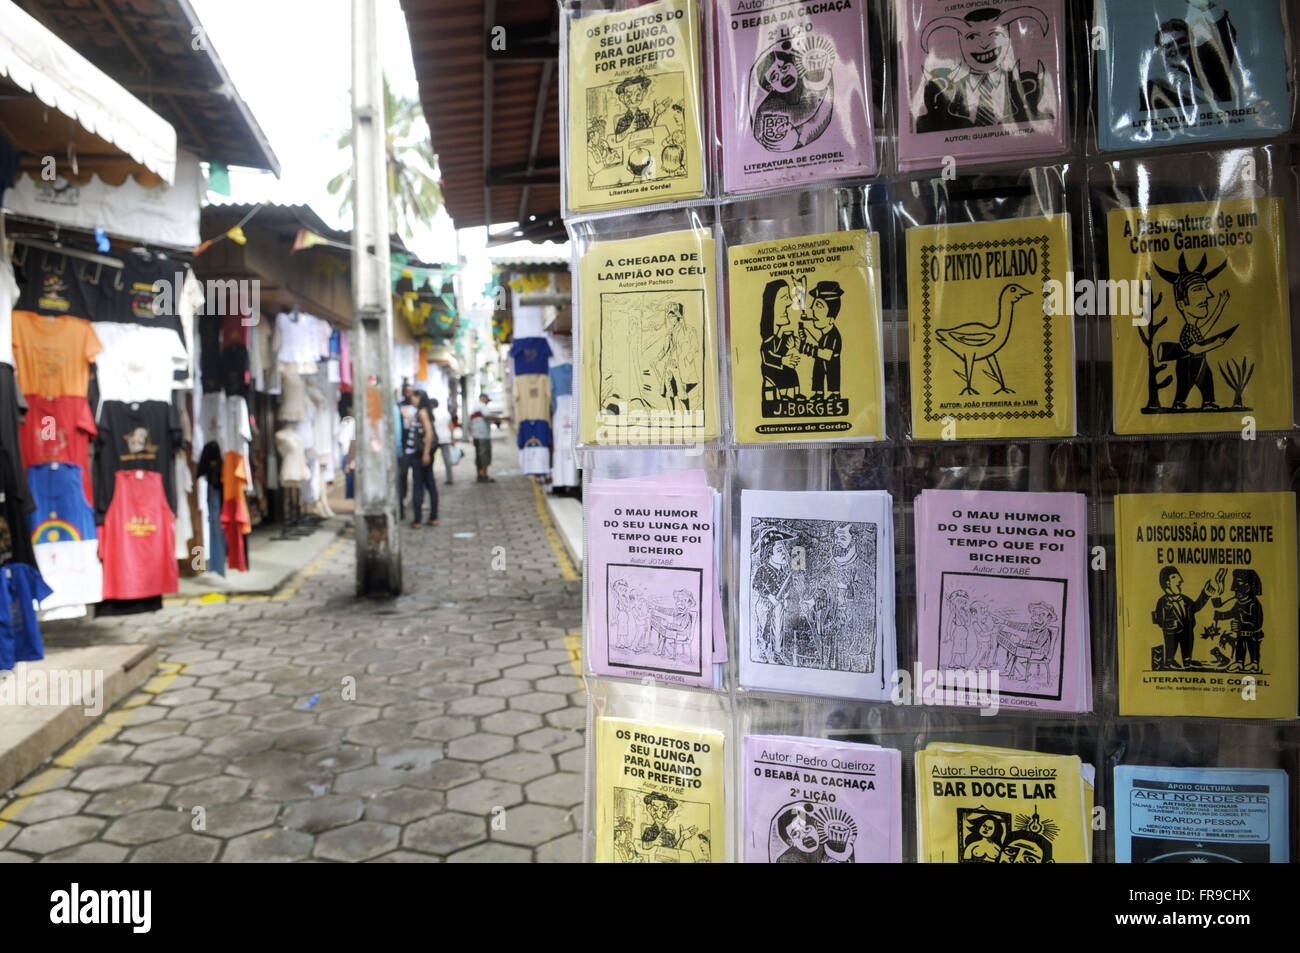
(379, 555)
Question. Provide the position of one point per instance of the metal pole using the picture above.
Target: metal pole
(379, 558)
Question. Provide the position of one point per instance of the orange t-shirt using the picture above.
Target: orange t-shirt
(52, 355)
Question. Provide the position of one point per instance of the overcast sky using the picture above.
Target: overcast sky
(291, 61)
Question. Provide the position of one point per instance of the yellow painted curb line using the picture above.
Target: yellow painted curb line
(553, 537)
(288, 592)
(107, 727)
(296, 583)
(573, 645)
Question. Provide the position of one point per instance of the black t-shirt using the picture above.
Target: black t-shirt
(210, 369)
(13, 477)
(139, 436)
(210, 462)
(133, 299)
(52, 283)
(234, 370)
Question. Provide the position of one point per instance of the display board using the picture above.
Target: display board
(980, 334)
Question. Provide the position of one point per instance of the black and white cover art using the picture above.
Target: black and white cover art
(998, 837)
(792, 92)
(636, 131)
(657, 828)
(805, 833)
(1009, 624)
(654, 618)
(1220, 630)
(812, 591)
(652, 355)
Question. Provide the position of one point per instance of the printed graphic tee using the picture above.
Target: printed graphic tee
(138, 539)
(64, 537)
(53, 353)
(532, 355)
(51, 285)
(59, 430)
(138, 363)
(533, 397)
(137, 436)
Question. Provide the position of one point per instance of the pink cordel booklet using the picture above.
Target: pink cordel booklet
(795, 93)
(809, 801)
(1002, 596)
(980, 81)
(655, 607)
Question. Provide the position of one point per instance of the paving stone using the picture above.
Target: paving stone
(403, 805)
(107, 753)
(562, 850)
(534, 824)
(190, 769)
(570, 719)
(219, 727)
(356, 842)
(49, 836)
(477, 705)
(182, 849)
(450, 774)
(550, 740)
(151, 731)
(480, 747)
(9, 857)
(45, 807)
(521, 767)
(147, 826)
(163, 750)
(340, 758)
(558, 790)
(185, 696)
(491, 853)
(224, 789)
(394, 857)
(271, 846)
(540, 702)
(107, 777)
(232, 820)
(239, 745)
(96, 852)
(378, 733)
(322, 814)
(244, 692)
(445, 833)
(443, 728)
(484, 796)
(347, 717)
(311, 738)
(512, 722)
(124, 800)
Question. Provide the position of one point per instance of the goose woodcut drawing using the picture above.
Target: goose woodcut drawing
(975, 341)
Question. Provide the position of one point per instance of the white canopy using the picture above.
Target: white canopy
(42, 64)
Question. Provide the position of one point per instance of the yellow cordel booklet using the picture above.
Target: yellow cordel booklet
(1207, 604)
(635, 128)
(981, 805)
(1209, 349)
(649, 361)
(991, 352)
(659, 794)
(805, 338)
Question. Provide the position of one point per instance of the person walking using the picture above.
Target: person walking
(443, 436)
(403, 420)
(420, 456)
(480, 431)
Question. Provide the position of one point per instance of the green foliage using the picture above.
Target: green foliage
(414, 194)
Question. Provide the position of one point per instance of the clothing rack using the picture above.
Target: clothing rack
(60, 249)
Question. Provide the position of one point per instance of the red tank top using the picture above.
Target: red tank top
(138, 541)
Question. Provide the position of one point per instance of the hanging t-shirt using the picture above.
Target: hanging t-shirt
(538, 430)
(297, 338)
(531, 355)
(138, 541)
(146, 291)
(293, 395)
(137, 436)
(561, 379)
(535, 458)
(235, 523)
(59, 430)
(533, 397)
(13, 476)
(64, 537)
(138, 363)
(210, 352)
(53, 353)
(8, 296)
(20, 633)
(50, 283)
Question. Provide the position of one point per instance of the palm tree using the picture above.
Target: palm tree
(414, 192)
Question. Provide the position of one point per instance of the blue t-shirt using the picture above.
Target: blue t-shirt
(561, 380)
(539, 430)
(20, 633)
(62, 513)
(532, 355)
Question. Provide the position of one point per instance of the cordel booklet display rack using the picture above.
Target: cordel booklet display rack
(937, 428)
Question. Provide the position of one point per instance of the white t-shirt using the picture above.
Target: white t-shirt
(441, 425)
(8, 295)
(298, 340)
(138, 363)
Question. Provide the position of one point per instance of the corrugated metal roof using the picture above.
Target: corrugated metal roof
(493, 113)
(148, 47)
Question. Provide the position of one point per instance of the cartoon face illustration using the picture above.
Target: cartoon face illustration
(673, 158)
(1172, 582)
(1198, 299)
(660, 806)
(632, 92)
(799, 831)
(984, 45)
(1025, 847)
(137, 440)
(843, 537)
(784, 304)
(781, 75)
(780, 553)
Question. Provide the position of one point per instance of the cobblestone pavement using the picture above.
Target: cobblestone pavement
(464, 741)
